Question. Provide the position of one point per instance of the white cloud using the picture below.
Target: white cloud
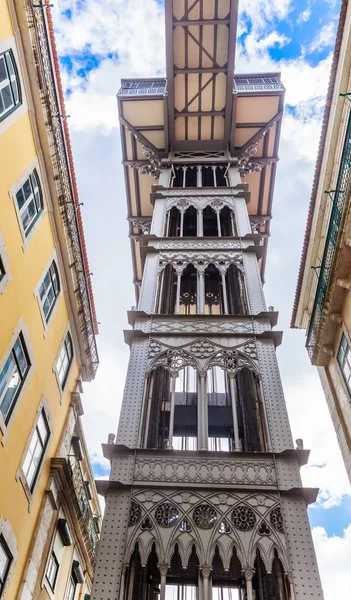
(304, 16)
(305, 401)
(263, 12)
(324, 39)
(334, 562)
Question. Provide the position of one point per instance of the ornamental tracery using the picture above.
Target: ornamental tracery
(217, 202)
(201, 514)
(173, 361)
(205, 516)
(207, 353)
(200, 261)
(276, 519)
(243, 517)
(134, 513)
(166, 514)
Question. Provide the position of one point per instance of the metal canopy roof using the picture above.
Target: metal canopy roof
(200, 107)
(200, 48)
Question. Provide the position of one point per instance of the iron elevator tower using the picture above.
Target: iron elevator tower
(205, 498)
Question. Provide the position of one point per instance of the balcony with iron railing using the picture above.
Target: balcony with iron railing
(268, 82)
(87, 520)
(326, 271)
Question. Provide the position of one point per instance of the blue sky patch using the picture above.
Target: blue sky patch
(100, 470)
(334, 520)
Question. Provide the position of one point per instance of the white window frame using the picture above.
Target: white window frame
(46, 323)
(33, 166)
(5, 280)
(20, 328)
(30, 490)
(10, 539)
(52, 555)
(8, 58)
(344, 334)
(44, 581)
(10, 44)
(62, 386)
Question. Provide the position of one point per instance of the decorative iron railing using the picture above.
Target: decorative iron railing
(247, 83)
(340, 195)
(158, 87)
(88, 521)
(143, 87)
(68, 206)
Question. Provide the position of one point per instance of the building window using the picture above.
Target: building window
(344, 360)
(52, 570)
(64, 360)
(29, 201)
(72, 587)
(12, 377)
(5, 563)
(10, 90)
(49, 290)
(36, 451)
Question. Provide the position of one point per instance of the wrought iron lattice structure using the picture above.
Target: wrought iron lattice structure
(203, 444)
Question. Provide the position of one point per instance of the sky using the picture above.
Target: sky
(101, 41)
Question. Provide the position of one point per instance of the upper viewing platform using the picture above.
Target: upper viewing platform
(243, 84)
(200, 112)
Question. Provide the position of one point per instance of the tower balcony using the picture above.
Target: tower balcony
(143, 87)
(243, 83)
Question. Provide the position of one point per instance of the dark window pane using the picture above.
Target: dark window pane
(20, 198)
(7, 97)
(21, 357)
(27, 189)
(9, 64)
(3, 72)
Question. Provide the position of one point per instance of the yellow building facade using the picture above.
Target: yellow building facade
(323, 302)
(49, 511)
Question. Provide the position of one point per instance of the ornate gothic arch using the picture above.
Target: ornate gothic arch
(215, 202)
(173, 360)
(231, 361)
(200, 260)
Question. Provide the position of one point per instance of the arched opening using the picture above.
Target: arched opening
(208, 178)
(157, 405)
(185, 410)
(188, 291)
(167, 292)
(170, 413)
(270, 586)
(190, 222)
(227, 585)
(236, 293)
(141, 581)
(221, 176)
(182, 584)
(213, 292)
(210, 224)
(172, 228)
(250, 412)
(220, 415)
(227, 221)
